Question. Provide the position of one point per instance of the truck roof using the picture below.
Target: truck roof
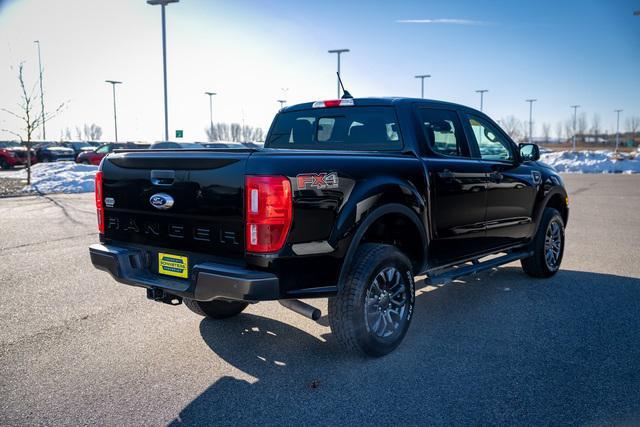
(385, 101)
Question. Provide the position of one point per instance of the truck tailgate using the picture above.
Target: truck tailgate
(198, 206)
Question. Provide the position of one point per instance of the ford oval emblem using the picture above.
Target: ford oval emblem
(161, 201)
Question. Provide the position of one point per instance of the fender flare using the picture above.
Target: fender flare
(368, 221)
(539, 209)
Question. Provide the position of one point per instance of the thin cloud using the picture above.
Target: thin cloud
(443, 21)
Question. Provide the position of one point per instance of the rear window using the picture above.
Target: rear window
(346, 128)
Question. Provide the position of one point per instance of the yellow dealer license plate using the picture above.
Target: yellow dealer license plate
(173, 265)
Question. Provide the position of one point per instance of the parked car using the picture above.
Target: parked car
(13, 154)
(94, 156)
(53, 152)
(163, 145)
(78, 146)
(349, 199)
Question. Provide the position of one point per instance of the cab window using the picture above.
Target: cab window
(491, 143)
(103, 149)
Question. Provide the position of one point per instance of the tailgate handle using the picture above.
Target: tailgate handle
(163, 177)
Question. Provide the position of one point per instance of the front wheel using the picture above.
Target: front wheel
(548, 246)
(373, 309)
(4, 164)
(216, 309)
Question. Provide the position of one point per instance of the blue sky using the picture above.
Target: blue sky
(560, 52)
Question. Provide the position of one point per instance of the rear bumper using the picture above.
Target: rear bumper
(209, 280)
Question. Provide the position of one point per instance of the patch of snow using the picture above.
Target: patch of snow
(599, 161)
(58, 177)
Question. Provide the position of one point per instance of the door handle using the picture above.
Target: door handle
(163, 177)
(446, 174)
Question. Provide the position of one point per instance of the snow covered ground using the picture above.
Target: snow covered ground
(58, 177)
(599, 161)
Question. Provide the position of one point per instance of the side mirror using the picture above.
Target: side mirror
(529, 152)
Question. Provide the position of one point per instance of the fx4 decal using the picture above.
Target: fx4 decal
(317, 181)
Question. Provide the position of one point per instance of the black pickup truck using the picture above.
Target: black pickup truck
(349, 199)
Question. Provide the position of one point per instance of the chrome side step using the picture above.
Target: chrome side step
(438, 275)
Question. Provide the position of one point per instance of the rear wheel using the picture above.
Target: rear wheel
(548, 246)
(373, 309)
(217, 309)
(4, 164)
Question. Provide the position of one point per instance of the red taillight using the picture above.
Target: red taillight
(269, 212)
(99, 205)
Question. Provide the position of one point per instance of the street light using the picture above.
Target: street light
(44, 132)
(618, 129)
(282, 102)
(530, 101)
(115, 117)
(211, 95)
(575, 117)
(339, 52)
(481, 92)
(163, 3)
(422, 77)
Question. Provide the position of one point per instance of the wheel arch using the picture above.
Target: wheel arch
(555, 198)
(386, 224)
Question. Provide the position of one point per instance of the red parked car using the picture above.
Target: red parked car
(94, 157)
(13, 154)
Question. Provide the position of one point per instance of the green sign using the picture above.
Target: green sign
(179, 133)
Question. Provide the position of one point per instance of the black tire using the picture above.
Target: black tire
(540, 264)
(4, 164)
(217, 309)
(353, 321)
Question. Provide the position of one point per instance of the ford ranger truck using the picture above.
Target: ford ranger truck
(348, 200)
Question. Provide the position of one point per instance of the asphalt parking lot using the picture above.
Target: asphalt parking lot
(499, 348)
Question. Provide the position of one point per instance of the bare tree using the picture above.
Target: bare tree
(212, 133)
(223, 132)
(559, 131)
(512, 126)
(29, 118)
(92, 132)
(258, 135)
(546, 132)
(236, 132)
(569, 130)
(67, 134)
(632, 124)
(78, 133)
(595, 127)
(581, 124)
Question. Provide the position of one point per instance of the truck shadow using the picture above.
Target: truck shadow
(500, 348)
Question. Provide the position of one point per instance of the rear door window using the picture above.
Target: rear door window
(443, 132)
(345, 128)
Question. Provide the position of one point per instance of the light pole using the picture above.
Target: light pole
(530, 101)
(481, 92)
(575, 118)
(422, 77)
(339, 52)
(282, 102)
(44, 132)
(618, 129)
(162, 4)
(115, 117)
(211, 95)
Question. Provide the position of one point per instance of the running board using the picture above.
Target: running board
(438, 275)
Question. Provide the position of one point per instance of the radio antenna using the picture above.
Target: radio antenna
(345, 93)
